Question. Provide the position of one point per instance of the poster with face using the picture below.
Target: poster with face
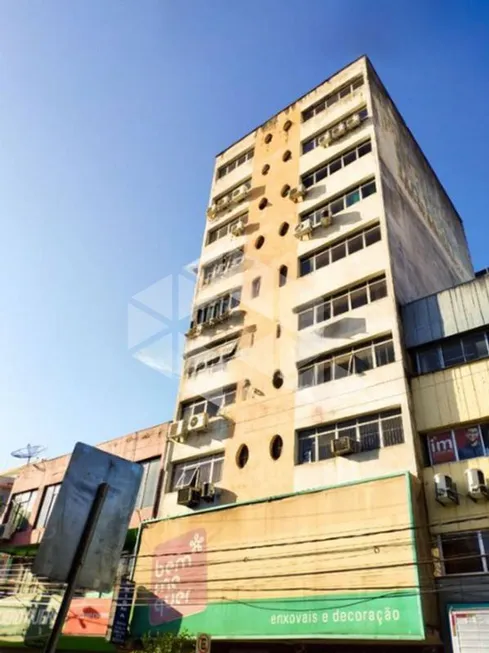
(441, 447)
(469, 443)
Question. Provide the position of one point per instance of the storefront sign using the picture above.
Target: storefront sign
(122, 612)
(469, 628)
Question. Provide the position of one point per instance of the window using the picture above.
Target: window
(276, 447)
(149, 483)
(266, 169)
(336, 164)
(332, 98)
(284, 227)
(372, 431)
(222, 267)
(242, 456)
(343, 201)
(225, 229)
(277, 380)
(212, 359)
(235, 163)
(209, 470)
(287, 125)
(346, 362)
(465, 553)
(263, 204)
(268, 138)
(255, 287)
(20, 509)
(285, 190)
(312, 143)
(282, 276)
(462, 443)
(287, 155)
(47, 504)
(336, 251)
(455, 350)
(217, 307)
(210, 404)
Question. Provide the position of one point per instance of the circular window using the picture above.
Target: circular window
(263, 203)
(259, 242)
(287, 125)
(278, 379)
(284, 227)
(268, 138)
(285, 190)
(287, 155)
(276, 446)
(242, 456)
(265, 170)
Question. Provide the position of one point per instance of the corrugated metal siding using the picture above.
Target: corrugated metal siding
(447, 313)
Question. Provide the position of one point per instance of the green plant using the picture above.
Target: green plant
(183, 642)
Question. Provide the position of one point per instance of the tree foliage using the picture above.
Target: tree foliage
(181, 642)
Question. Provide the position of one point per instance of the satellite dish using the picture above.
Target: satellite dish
(29, 452)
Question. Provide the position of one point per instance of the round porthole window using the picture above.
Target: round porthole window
(285, 190)
(268, 138)
(242, 456)
(263, 203)
(265, 170)
(278, 379)
(276, 446)
(287, 125)
(287, 155)
(284, 227)
(259, 242)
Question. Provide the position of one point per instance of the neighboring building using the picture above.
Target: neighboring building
(448, 337)
(27, 604)
(321, 223)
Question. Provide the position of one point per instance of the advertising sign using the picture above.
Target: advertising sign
(461, 444)
(441, 447)
(120, 623)
(469, 443)
(469, 628)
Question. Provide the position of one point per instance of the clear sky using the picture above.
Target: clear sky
(110, 115)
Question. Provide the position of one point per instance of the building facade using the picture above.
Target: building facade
(321, 223)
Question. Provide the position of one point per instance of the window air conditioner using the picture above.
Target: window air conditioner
(194, 331)
(445, 490)
(353, 121)
(238, 228)
(178, 431)
(326, 220)
(208, 492)
(338, 131)
(212, 212)
(303, 228)
(325, 140)
(198, 423)
(476, 484)
(298, 194)
(343, 446)
(189, 496)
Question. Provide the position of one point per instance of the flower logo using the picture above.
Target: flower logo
(196, 543)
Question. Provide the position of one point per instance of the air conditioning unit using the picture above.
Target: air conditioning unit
(212, 212)
(303, 228)
(238, 228)
(326, 220)
(194, 331)
(198, 423)
(7, 530)
(476, 484)
(189, 496)
(353, 121)
(338, 131)
(343, 446)
(298, 194)
(325, 140)
(208, 492)
(178, 431)
(445, 490)
(240, 193)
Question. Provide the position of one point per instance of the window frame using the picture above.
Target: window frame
(187, 408)
(225, 169)
(437, 348)
(226, 226)
(40, 516)
(211, 358)
(331, 206)
(333, 97)
(483, 554)
(143, 488)
(217, 306)
(324, 169)
(310, 144)
(223, 266)
(25, 521)
(191, 465)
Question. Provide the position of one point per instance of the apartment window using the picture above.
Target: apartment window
(343, 302)
(200, 470)
(312, 143)
(461, 443)
(213, 359)
(332, 98)
(341, 248)
(348, 361)
(47, 504)
(340, 203)
(218, 307)
(282, 275)
(235, 163)
(456, 350)
(222, 267)
(149, 483)
(20, 509)
(210, 404)
(336, 164)
(372, 431)
(223, 230)
(255, 287)
(465, 553)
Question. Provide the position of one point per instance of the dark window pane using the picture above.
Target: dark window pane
(333, 99)
(308, 181)
(485, 436)
(429, 360)
(321, 174)
(307, 146)
(363, 114)
(338, 252)
(363, 360)
(349, 158)
(322, 259)
(384, 353)
(323, 312)
(308, 114)
(306, 377)
(475, 346)
(324, 372)
(364, 149)
(213, 408)
(324, 445)
(212, 237)
(306, 318)
(307, 450)
(357, 83)
(355, 244)
(372, 236)
(229, 397)
(334, 166)
(336, 206)
(368, 189)
(452, 353)
(217, 471)
(358, 297)
(461, 553)
(340, 305)
(320, 107)
(305, 266)
(345, 91)
(369, 436)
(353, 197)
(343, 367)
(392, 431)
(378, 290)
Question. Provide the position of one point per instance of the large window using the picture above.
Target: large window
(20, 509)
(213, 359)
(312, 143)
(332, 98)
(235, 163)
(348, 361)
(465, 553)
(218, 307)
(340, 202)
(222, 267)
(149, 483)
(210, 404)
(370, 431)
(224, 229)
(339, 249)
(234, 194)
(461, 443)
(456, 350)
(200, 470)
(328, 169)
(47, 504)
(343, 302)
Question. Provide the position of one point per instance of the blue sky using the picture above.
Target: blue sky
(110, 115)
